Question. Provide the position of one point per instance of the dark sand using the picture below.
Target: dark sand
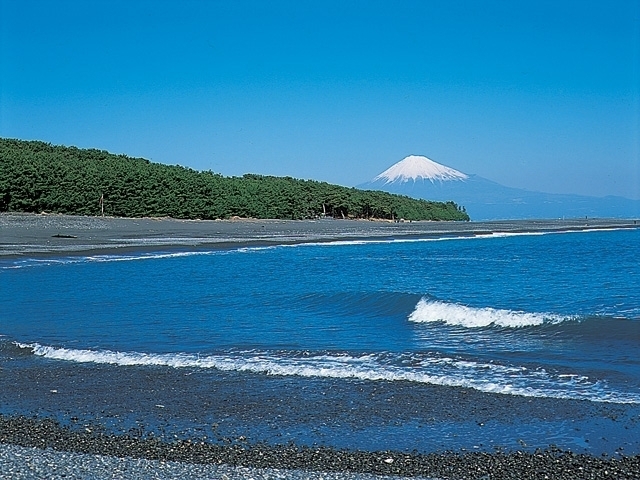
(37, 235)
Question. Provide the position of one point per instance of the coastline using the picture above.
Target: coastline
(37, 235)
(291, 461)
(59, 395)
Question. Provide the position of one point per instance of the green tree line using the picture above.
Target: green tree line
(37, 176)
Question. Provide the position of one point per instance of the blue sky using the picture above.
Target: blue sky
(542, 95)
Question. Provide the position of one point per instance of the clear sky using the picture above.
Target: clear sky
(543, 95)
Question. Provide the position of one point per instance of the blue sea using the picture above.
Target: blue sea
(496, 341)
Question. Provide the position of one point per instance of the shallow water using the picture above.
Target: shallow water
(509, 317)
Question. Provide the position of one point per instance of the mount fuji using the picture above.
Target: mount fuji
(419, 177)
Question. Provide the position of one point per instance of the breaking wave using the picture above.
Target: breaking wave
(428, 368)
(463, 316)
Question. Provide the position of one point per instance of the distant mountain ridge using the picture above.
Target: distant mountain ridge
(420, 177)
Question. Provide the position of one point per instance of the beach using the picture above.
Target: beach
(102, 431)
(30, 234)
(42, 449)
(66, 419)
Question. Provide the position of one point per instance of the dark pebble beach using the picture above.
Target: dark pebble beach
(301, 461)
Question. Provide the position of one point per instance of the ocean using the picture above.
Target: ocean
(447, 343)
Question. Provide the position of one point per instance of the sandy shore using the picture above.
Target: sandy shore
(30, 234)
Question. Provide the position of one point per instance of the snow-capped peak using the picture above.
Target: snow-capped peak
(416, 167)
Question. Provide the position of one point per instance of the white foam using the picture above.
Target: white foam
(463, 316)
(146, 256)
(419, 368)
(32, 262)
(301, 242)
(446, 236)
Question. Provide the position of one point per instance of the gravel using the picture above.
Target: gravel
(49, 450)
(17, 463)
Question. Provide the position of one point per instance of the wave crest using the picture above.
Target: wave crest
(428, 367)
(460, 315)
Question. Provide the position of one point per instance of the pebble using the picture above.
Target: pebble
(22, 463)
(41, 448)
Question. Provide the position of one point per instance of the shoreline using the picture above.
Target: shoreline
(260, 421)
(69, 411)
(46, 434)
(37, 235)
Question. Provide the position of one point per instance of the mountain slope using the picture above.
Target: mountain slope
(416, 167)
(487, 200)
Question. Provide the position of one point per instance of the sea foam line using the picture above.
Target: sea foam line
(434, 370)
(428, 311)
(298, 242)
(444, 236)
(34, 262)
